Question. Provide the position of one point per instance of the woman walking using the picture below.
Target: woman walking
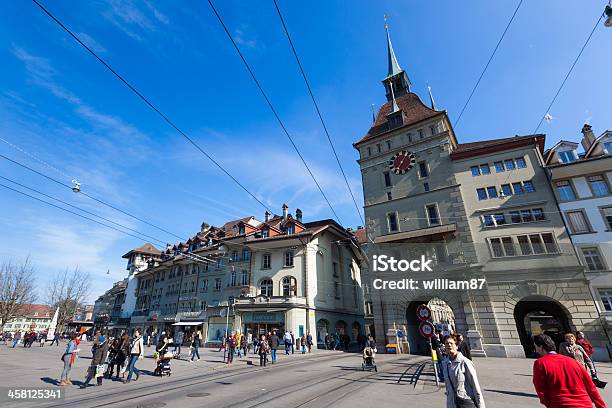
(68, 358)
(196, 343)
(574, 350)
(96, 368)
(303, 343)
(136, 353)
(462, 387)
(264, 349)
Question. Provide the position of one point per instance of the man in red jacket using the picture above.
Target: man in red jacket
(560, 381)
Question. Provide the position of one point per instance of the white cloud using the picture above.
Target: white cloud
(241, 39)
(90, 42)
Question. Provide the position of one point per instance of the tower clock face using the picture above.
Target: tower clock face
(402, 162)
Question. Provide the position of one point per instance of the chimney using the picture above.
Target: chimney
(285, 211)
(298, 214)
(204, 227)
(588, 137)
(267, 216)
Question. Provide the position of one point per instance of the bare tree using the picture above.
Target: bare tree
(17, 290)
(67, 291)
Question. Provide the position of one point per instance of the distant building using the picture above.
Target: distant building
(107, 308)
(583, 187)
(38, 318)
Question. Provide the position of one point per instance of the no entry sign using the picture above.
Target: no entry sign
(423, 312)
(426, 329)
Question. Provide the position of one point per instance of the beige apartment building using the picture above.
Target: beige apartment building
(482, 210)
(256, 276)
(583, 187)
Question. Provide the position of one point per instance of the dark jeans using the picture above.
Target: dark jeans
(287, 348)
(132, 366)
(263, 358)
(91, 372)
(195, 353)
(273, 354)
(230, 355)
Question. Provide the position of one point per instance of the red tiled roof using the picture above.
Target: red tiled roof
(360, 234)
(145, 249)
(42, 310)
(414, 111)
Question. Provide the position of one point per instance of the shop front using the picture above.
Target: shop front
(264, 322)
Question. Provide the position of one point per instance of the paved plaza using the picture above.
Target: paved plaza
(321, 379)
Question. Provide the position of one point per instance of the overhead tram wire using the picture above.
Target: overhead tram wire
(314, 101)
(488, 63)
(90, 196)
(81, 209)
(71, 212)
(269, 103)
(569, 73)
(150, 104)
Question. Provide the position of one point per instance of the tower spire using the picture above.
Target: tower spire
(431, 99)
(396, 82)
(393, 66)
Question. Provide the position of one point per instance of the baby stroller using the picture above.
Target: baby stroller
(368, 359)
(163, 365)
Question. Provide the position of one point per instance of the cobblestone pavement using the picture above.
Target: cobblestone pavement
(321, 379)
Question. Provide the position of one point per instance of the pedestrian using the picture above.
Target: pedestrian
(256, 344)
(309, 342)
(42, 337)
(249, 342)
(303, 343)
(122, 355)
(586, 345)
(571, 349)
(264, 348)
(239, 344)
(464, 347)
(288, 342)
(136, 353)
(196, 344)
(55, 338)
(96, 368)
(561, 381)
(292, 342)
(436, 346)
(16, 338)
(327, 342)
(71, 353)
(231, 348)
(113, 351)
(84, 337)
(462, 387)
(178, 343)
(273, 342)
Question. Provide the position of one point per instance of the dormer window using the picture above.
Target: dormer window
(241, 230)
(567, 156)
(290, 229)
(265, 233)
(608, 147)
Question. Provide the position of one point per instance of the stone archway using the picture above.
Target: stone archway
(441, 311)
(538, 314)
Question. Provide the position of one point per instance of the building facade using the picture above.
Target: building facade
(107, 308)
(480, 210)
(256, 276)
(37, 318)
(583, 187)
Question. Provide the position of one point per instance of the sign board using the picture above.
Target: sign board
(426, 329)
(423, 312)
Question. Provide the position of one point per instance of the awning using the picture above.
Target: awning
(188, 323)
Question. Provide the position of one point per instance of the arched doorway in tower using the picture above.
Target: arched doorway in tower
(540, 315)
(322, 331)
(442, 317)
(356, 331)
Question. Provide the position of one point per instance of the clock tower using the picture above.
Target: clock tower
(413, 209)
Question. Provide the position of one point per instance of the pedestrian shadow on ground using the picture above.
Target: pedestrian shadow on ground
(515, 393)
(50, 380)
(348, 368)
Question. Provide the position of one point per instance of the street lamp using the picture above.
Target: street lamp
(608, 12)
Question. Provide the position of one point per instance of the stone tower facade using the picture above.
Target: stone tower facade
(480, 210)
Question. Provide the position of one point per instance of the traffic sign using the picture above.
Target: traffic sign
(423, 312)
(426, 329)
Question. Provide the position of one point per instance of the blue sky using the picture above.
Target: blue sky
(62, 107)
